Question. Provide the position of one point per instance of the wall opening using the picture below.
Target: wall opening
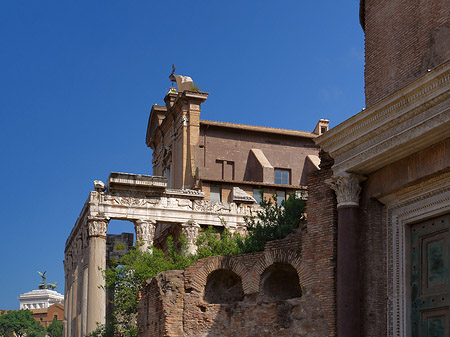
(223, 286)
(280, 282)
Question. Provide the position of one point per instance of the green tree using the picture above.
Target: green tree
(125, 277)
(55, 329)
(272, 222)
(20, 323)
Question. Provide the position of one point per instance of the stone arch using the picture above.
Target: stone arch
(291, 257)
(280, 281)
(196, 279)
(223, 286)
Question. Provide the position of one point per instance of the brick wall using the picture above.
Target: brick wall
(174, 303)
(404, 38)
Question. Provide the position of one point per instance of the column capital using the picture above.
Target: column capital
(347, 187)
(97, 227)
(145, 233)
(190, 230)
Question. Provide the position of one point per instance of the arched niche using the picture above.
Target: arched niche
(280, 282)
(223, 286)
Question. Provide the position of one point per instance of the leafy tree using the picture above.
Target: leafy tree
(211, 243)
(20, 323)
(125, 277)
(55, 329)
(272, 222)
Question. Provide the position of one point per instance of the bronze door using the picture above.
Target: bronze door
(430, 279)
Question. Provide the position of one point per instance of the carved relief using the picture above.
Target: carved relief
(347, 188)
(130, 201)
(97, 227)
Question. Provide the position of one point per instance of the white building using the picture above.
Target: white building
(39, 299)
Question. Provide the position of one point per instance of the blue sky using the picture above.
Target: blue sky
(78, 79)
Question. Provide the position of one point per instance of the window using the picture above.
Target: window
(282, 176)
(281, 196)
(257, 195)
(215, 192)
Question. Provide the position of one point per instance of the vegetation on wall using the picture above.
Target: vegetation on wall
(126, 275)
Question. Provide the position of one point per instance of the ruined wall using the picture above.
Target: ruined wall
(286, 290)
(404, 38)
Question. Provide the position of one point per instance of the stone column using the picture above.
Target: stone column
(190, 229)
(145, 233)
(348, 189)
(97, 262)
(67, 289)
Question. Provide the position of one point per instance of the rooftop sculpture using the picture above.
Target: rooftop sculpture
(44, 285)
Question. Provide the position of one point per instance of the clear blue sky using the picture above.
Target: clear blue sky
(78, 79)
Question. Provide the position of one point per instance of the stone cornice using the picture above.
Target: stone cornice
(409, 120)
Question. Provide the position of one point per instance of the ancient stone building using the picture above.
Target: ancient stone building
(391, 177)
(226, 161)
(375, 252)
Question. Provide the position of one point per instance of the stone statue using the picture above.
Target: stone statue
(44, 285)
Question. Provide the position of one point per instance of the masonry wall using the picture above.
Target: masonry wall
(179, 303)
(404, 38)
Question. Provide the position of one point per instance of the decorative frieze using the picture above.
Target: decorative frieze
(347, 187)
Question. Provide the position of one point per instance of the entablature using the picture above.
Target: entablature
(410, 120)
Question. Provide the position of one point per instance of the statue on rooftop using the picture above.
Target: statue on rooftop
(44, 285)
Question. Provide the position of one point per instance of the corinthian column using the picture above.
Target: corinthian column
(145, 233)
(97, 263)
(348, 189)
(190, 230)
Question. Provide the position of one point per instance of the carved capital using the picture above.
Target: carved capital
(190, 230)
(145, 230)
(97, 227)
(347, 187)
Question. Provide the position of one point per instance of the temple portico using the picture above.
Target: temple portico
(157, 213)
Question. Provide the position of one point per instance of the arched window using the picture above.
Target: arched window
(280, 282)
(223, 286)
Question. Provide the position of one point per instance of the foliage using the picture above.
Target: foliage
(273, 222)
(211, 243)
(20, 323)
(125, 277)
(55, 329)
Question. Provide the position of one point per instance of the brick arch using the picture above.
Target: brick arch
(197, 277)
(290, 257)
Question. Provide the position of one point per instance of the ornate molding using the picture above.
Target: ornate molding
(414, 118)
(411, 205)
(97, 227)
(347, 188)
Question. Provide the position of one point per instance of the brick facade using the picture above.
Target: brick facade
(404, 38)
